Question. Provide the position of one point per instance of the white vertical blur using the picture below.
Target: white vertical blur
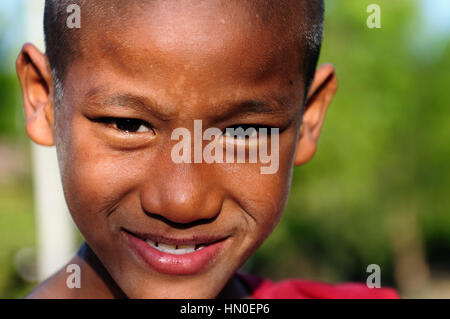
(55, 229)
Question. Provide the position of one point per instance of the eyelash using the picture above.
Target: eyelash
(118, 123)
(245, 127)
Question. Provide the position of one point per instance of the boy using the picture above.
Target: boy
(111, 94)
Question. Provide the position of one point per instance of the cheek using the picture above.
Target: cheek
(263, 196)
(95, 180)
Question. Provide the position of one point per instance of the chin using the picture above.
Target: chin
(176, 291)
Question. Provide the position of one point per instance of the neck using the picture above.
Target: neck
(96, 281)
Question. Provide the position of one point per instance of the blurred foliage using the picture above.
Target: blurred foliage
(9, 101)
(17, 224)
(17, 230)
(384, 152)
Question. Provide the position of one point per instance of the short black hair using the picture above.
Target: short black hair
(61, 41)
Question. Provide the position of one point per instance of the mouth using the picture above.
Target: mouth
(172, 255)
(174, 249)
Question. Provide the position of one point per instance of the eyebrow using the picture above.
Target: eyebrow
(265, 105)
(139, 103)
(274, 105)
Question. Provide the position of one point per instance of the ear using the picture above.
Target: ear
(36, 82)
(321, 92)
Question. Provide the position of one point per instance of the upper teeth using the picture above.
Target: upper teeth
(173, 249)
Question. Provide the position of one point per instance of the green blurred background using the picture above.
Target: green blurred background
(377, 191)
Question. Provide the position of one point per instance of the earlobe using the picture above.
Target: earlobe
(38, 128)
(36, 82)
(321, 92)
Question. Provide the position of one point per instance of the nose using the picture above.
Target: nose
(182, 193)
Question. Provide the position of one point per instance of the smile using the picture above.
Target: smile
(174, 249)
(175, 256)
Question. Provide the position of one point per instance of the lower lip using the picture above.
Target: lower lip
(172, 264)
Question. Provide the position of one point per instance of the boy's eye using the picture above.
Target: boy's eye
(244, 131)
(128, 125)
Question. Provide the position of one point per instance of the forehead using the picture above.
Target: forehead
(198, 48)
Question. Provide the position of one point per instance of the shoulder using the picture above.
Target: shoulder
(305, 289)
(55, 286)
(52, 288)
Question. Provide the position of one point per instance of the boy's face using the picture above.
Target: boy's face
(165, 68)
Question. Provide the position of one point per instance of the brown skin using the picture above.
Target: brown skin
(113, 179)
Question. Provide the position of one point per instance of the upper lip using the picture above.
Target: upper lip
(193, 240)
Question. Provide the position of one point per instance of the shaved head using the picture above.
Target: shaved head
(291, 20)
